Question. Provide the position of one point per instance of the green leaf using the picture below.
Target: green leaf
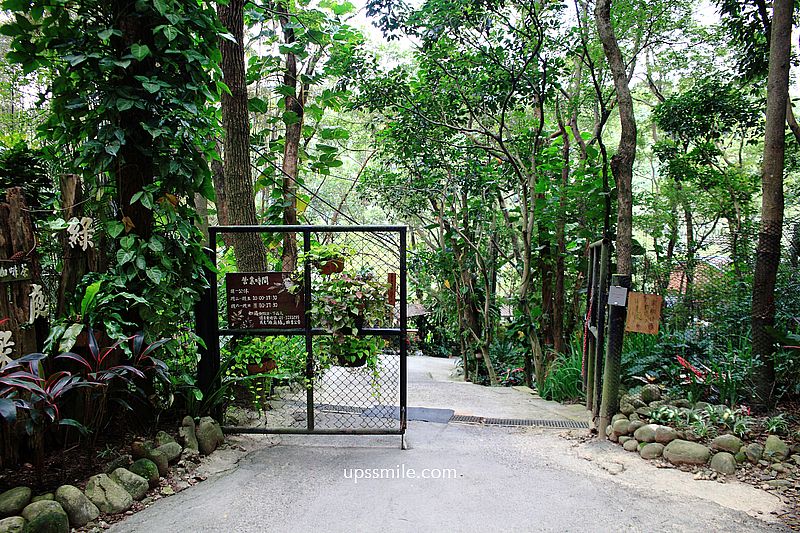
(123, 104)
(290, 117)
(87, 302)
(115, 228)
(105, 35)
(140, 51)
(257, 105)
(150, 87)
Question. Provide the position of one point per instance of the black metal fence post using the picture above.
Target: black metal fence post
(308, 334)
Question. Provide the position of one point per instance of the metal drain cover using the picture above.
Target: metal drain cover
(516, 422)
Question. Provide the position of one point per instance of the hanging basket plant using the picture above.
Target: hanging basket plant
(344, 304)
(328, 259)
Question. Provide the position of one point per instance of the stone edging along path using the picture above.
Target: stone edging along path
(773, 466)
(130, 483)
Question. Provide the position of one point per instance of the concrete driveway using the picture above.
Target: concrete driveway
(454, 477)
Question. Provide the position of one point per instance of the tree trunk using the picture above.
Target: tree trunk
(240, 208)
(293, 119)
(769, 237)
(622, 161)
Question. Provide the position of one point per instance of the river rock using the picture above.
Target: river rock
(727, 443)
(78, 507)
(775, 449)
(162, 438)
(171, 450)
(107, 494)
(665, 434)
(682, 402)
(683, 452)
(633, 425)
(643, 411)
(145, 450)
(134, 484)
(646, 433)
(146, 469)
(12, 524)
(620, 427)
(724, 463)
(754, 452)
(46, 516)
(650, 393)
(209, 435)
(618, 416)
(631, 445)
(13, 501)
(627, 409)
(43, 497)
(652, 450)
(187, 433)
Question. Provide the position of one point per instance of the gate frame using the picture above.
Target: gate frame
(209, 330)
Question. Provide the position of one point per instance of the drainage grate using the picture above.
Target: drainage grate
(559, 424)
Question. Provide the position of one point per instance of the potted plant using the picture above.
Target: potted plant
(256, 354)
(327, 258)
(342, 306)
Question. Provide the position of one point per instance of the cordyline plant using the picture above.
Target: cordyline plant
(23, 389)
(99, 372)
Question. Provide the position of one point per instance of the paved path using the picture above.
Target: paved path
(498, 479)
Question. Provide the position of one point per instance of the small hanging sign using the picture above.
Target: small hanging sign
(11, 272)
(617, 296)
(80, 232)
(644, 313)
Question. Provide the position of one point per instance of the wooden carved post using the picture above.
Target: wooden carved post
(18, 254)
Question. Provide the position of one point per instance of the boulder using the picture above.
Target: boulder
(209, 435)
(724, 463)
(43, 497)
(775, 449)
(682, 402)
(727, 443)
(171, 450)
(618, 416)
(652, 450)
(187, 434)
(134, 484)
(631, 445)
(646, 433)
(145, 450)
(146, 469)
(162, 438)
(633, 425)
(665, 434)
(12, 524)
(13, 501)
(624, 438)
(644, 411)
(754, 452)
(627, 409)
(46, 516)
(108, 495)
(620, 427)
(740, 457)
(78, 507)
(683, 452)
(123, 461)
(650, 393)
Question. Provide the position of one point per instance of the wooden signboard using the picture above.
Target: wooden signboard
(261, 300)
(644, 313)
(11, 272)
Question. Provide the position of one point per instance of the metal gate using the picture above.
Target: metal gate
(597, 277)
(306, 389)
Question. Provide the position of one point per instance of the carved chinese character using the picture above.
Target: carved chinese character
(80, 233)
(6, 345)
(39, 305)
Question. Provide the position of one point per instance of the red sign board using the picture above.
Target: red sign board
(261, 300)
